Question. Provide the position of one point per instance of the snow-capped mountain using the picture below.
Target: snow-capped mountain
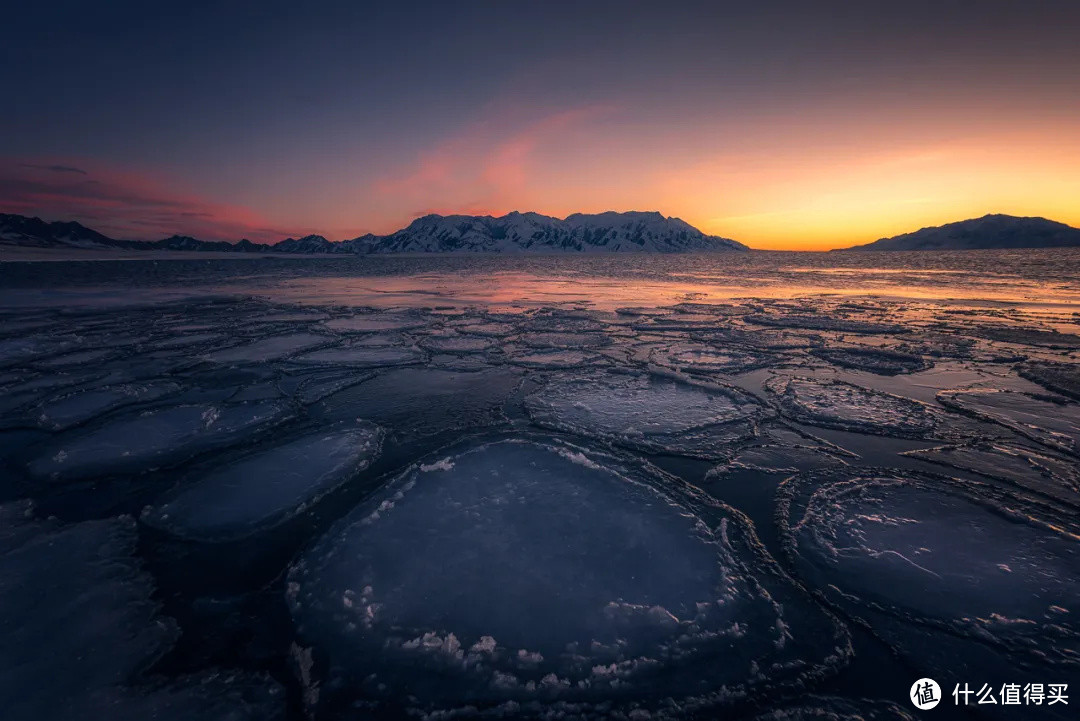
(20, 230)
(532, 232)
(512, 233)
(307, 244)
(989, 231)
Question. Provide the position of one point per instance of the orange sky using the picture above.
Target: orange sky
(810, 184)
(817, 203)
(781, 124)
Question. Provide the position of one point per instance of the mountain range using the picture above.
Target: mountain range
(515, 232)
(987, 232)
(511, 233)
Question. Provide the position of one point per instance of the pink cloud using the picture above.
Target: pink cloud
(122, 203)
(487, 168)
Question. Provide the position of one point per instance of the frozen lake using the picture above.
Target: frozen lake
(779, 485)
(603, 281)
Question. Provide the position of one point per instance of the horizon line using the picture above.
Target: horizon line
(530, 212)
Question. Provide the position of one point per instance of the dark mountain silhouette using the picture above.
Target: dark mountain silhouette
(987, 232)
(35, 232)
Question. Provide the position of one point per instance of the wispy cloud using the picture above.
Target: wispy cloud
(55, 168)
(486, 168)
(124, 204)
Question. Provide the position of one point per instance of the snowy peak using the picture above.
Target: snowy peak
(988, 232)
(532, 232)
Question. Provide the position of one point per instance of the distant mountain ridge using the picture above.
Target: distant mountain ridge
(515, 232)
(993, 231)
(35, 232)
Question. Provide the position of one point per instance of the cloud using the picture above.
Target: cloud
(488, 167)
(125, 204)
(55, 168)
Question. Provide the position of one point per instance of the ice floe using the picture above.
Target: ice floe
(78, 407)
(1063, 378)
(153, 438)
(267, 349)
(23, 391)
(941, 553)
(80, 628)
(1044, 420)
(556, 359)
(565, 340)
(775, 458)
(78, 358)
(1039, 471)
(845, 406)
(648, 412)
(554, 579)
(874, 360)
(266, 487)
(823, 323)
(29, 348)
(492, 330)
(533, 577)
(362, 356)
(423, 401)
(695, 358)
(375, 322)
(308, 388)
(457, 344)
(1028, 336)
(831, 708)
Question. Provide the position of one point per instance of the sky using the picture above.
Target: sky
(784, 125)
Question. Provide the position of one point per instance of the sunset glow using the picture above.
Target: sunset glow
(803, 130)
